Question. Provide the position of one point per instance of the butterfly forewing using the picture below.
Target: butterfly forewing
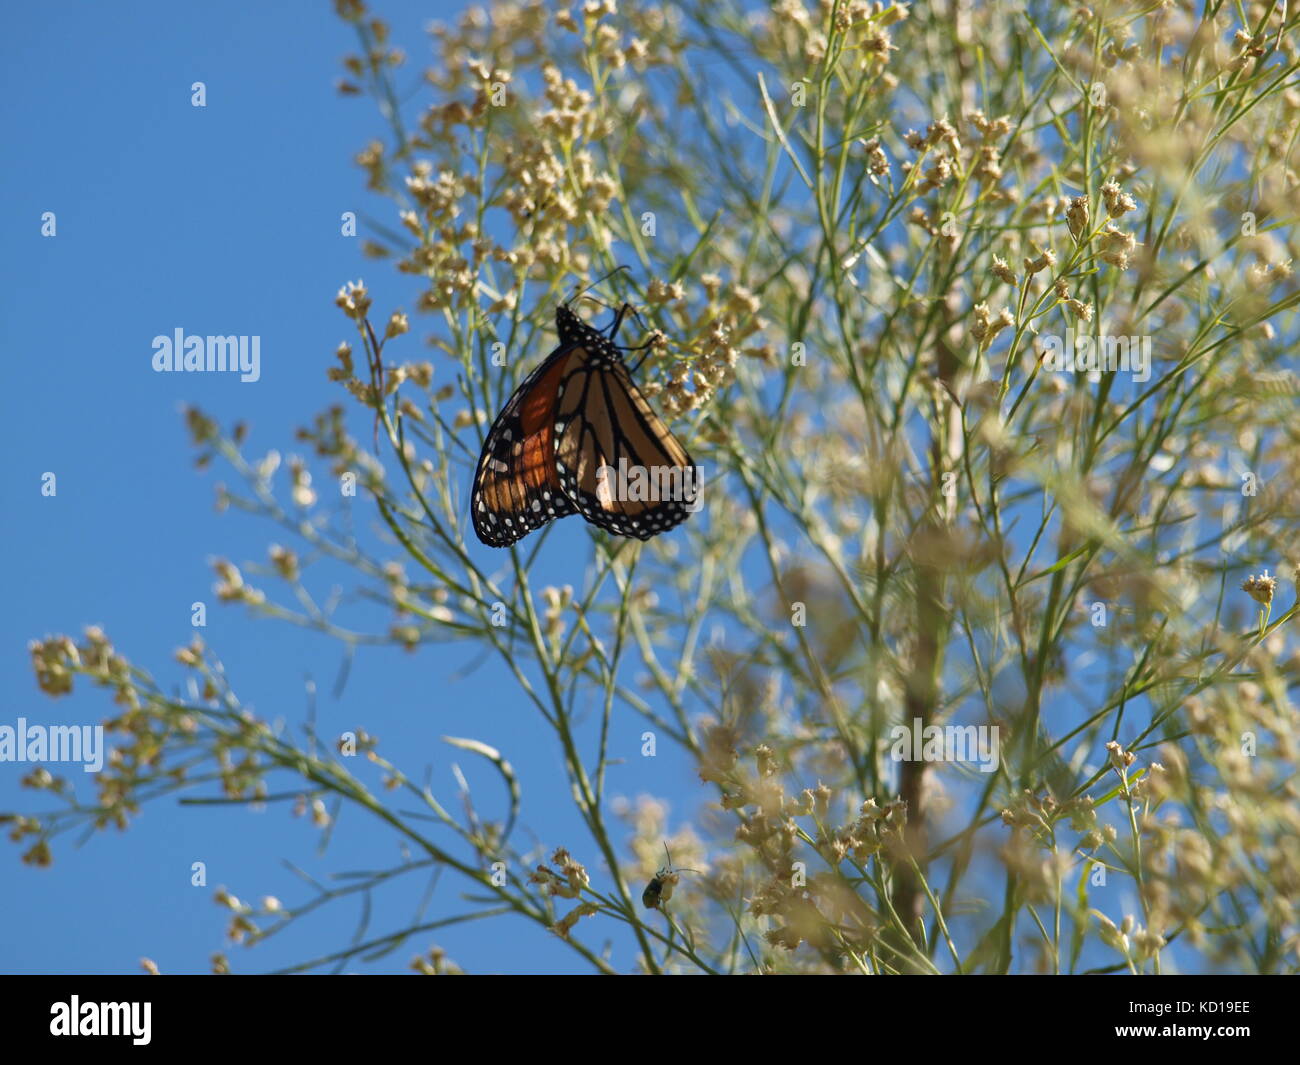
(516, 489)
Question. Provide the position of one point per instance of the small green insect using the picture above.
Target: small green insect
(660, 889)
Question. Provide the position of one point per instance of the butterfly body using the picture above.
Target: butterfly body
(551, 450)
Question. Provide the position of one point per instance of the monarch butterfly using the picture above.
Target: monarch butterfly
(551, 450)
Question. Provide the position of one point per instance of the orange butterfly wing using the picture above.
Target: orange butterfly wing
(516, 488)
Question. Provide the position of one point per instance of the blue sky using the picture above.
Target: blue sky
(219, 220)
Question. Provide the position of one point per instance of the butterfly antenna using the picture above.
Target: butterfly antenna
(600, 303)
(598, 281)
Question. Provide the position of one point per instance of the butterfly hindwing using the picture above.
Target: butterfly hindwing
(606, 434)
